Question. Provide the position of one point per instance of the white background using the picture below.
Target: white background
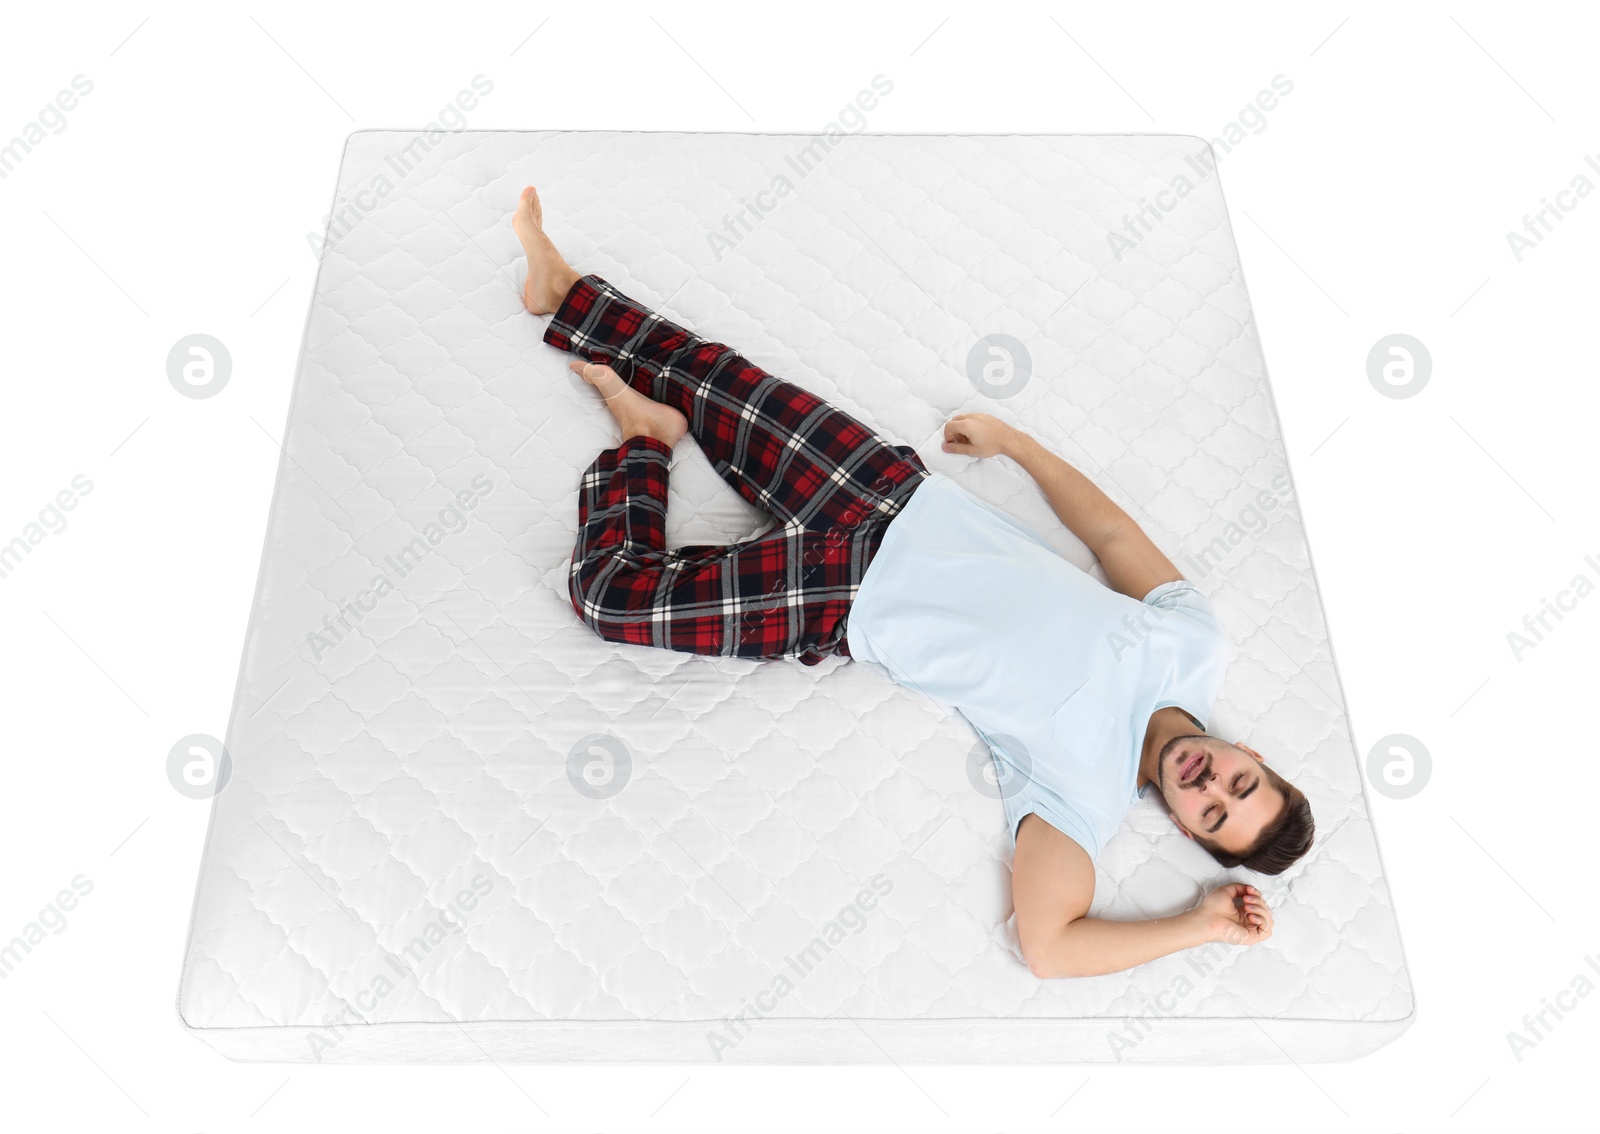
(1377, 199)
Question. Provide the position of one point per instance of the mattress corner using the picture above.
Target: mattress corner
(1404, 1023)
(350, 141)
(207, 1036)
(1199, 145)
(178, 1004)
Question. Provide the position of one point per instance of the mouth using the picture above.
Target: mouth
(1189, 765)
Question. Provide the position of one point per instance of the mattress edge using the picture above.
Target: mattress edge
(1317, 592)
(1089, 1040)
(251, 620)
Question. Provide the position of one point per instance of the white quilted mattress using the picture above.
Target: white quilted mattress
(460, 826)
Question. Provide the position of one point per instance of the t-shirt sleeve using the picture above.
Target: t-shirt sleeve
(1196, 644)
(1183, 596)
(1022, 796)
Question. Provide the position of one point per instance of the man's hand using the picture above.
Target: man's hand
(1235, 914)
(978, 435)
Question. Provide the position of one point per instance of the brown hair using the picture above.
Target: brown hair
(1282, 842)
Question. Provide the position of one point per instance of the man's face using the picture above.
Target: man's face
(1217, 791)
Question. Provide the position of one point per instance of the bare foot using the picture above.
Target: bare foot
(636, 414)
(549, 276)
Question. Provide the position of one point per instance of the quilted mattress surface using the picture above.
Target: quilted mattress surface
(460, 826)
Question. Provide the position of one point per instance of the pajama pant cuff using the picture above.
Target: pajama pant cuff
(642, 445)
(577, 304)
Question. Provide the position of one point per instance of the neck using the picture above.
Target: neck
(1164, 725)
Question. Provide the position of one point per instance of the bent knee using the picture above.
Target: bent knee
(603, 594)
(583, 591)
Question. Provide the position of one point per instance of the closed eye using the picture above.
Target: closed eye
(1233, 786)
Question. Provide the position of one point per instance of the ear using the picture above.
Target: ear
(1260, 759)
(1186, 832)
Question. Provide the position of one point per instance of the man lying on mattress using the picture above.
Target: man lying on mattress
(1086, 694)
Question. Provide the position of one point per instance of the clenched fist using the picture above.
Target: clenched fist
(1235, 914)
(977, 435)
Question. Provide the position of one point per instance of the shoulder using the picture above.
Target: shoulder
(1187, 625)
(1178, 594)
(1032, 806)
(1182, 597)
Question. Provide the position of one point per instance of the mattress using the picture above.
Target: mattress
(460, 826)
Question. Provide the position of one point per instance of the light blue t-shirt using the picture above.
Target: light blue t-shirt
(1058, 673)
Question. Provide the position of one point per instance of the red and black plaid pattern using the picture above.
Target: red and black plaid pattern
(832, 484)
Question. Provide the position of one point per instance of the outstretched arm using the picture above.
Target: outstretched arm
(1052, 887)
(1134, 564)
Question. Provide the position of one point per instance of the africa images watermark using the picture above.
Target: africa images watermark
(1542, 222)
(599, 766)
(51, 119)
(1537, 626)
(1251, 521)
(351, 209)
(51, 521)
(851, 119)
(1252, 119)
(1399, 766)
(754, 618)
(51, 920)
(1164, 1004)
(1537, 1026)
(348, 614)
(850, 921)
(398, 968)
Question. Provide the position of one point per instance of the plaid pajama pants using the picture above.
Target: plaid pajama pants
(830, 482)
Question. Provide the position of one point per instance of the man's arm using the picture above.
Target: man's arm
(1134, 564)
(1052, 887)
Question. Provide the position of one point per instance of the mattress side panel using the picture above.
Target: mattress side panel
(1110, 1041)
